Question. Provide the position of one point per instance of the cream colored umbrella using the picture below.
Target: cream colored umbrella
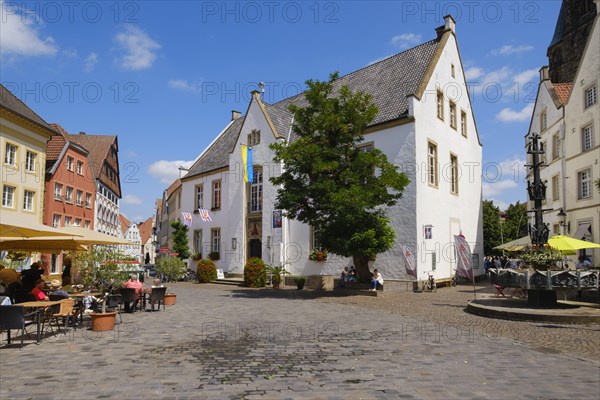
(75, 238)
(14, 225)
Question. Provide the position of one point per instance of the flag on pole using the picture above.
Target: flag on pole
(247, 163)
(204, 214)
(187, 218)
(463, 257)
(409, 261)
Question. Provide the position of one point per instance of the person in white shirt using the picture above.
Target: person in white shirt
(377, 279)
(583, 263)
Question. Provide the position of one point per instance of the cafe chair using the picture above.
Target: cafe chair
(113, 303)
(57, 297)
(14, 317)
(46, 315)
(157, 296)
(128, 299)
(22, 296)
(65, 313)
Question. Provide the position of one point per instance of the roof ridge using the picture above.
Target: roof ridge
(4, 91)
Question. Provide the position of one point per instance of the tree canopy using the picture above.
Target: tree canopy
(492, 234)
(180, 241)
(332, 183)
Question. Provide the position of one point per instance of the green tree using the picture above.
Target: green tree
(515, 226)
(491, 227)
(180, 240)
(330, 182)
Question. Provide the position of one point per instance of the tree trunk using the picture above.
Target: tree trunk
(361, 263)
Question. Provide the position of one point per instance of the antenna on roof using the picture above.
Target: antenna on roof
(261, 86)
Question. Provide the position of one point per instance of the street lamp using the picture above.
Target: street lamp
(565, 225)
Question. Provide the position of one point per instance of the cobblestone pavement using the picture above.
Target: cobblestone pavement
(222, 342)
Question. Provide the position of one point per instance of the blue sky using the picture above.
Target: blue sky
(164, 76)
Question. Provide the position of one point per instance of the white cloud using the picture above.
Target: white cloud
(406, 40)
(90, 62)
(139, 47)
(182, 84)
(167, 171)
(509, 49)
(491, 189)
(525, 77)
(473, 73)
(20, 37)
(132, 199)
(510, 115)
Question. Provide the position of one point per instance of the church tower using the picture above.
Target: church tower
(570, 37)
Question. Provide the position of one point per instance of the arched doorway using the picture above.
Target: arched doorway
(255, 248)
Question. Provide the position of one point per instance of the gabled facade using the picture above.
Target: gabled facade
(425, 125)
(146, 229)
(23, 137)
(169, 210)
(104, 153)
(131, 233)
(567, 116)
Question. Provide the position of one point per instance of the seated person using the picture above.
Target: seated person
(133, 283)
(30, 276)
(38, 290)
(377, 279)
(57, 289)
(352, 275)
(583, 263)
(344, 277)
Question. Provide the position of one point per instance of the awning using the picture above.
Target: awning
(13, 226)
(77, 237)
(582, 231)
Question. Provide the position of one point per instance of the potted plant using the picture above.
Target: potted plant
(299, 281)
(197, 256)
(276, 275)
(206, 271)
(318, 255)
(99, 269)
(172, 268)
(214, 255)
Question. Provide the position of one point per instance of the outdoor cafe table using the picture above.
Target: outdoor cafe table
(38, 305)
(79, 298)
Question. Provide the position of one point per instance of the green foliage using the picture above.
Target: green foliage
(276, 274)
(598, 184)
(299, 279)
(16, 255)
(318, 255)
(329, 182)
(255, 273)
(180, 240)
(206, 271)
(491, 227)
(172, 268)
(515, 226)
(99, 268)
(542, 259)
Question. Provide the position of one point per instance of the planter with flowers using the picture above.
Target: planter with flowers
(318, 255)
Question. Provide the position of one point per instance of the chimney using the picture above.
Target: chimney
(449, 23)
(255, 94)
(82, 133)
(235, 115)
(544, 73)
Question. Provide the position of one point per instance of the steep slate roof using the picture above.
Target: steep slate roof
(282, 119)
(388, 81)
(217, 155)
(145, 230)
(98, 147)
(11, 103)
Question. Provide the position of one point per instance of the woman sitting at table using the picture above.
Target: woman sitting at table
(57, 289)
(38, 290)
(133, 283)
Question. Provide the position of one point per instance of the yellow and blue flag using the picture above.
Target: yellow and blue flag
(247, 163)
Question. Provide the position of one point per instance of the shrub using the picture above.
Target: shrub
(255, 273)
(299, 279)
(173, 268)
(206, 271)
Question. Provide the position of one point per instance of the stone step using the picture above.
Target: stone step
(229, 281)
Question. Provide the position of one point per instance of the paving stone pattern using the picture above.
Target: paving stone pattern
(221, 342)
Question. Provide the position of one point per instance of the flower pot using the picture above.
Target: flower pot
(276, 285)
(170, 299)
(300, 285)
(103, 321)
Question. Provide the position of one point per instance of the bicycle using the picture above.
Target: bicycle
(429, 285)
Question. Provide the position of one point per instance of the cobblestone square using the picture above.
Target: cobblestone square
(221, 342)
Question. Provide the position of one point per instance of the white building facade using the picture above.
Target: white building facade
(428, 131)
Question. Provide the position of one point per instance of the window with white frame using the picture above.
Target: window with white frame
(590, 96)
(68, 221)
(87, 224)
(199, 197)
(555, 146)
(30, 158)
(198, 241)
(79, 197)
(8, 196)
(587, 138)
(543, 121)
(543, 154)
(216, 194)
(463, 123)
(432, 169)
(77, 221)
(256, 191)
(58, 187)
(70, 163)
(10, 156)
(453, 174)
(440, 104)
(215, 240)
(555, 187)
(584, 180)
(80, 167)
(88, 200)
(453, 114)
(69, 194)
(28, 196)
(56, 220)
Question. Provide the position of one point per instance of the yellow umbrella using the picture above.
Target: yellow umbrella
(42, 245)
(566, 243)
(14, 225)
